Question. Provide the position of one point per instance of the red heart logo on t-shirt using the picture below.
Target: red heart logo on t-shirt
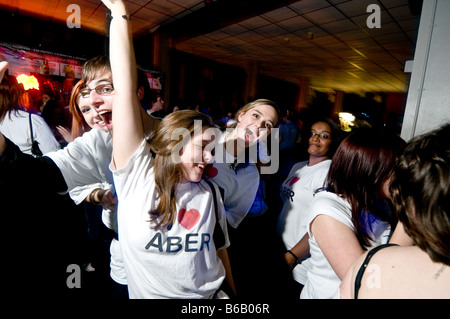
(188, 218)
(294, 180)
(211, 171)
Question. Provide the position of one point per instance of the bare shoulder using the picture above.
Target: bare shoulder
(403, 272)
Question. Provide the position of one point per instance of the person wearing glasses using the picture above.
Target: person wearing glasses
(86, 159)
(82, 167)
(297, 192)
(349, 215)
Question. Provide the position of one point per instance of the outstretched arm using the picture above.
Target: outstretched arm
(34, 172)
(128, 131)
(3, 66)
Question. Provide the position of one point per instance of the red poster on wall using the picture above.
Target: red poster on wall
(26, 61)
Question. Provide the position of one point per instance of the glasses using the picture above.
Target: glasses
(103, 89)
(322, 136)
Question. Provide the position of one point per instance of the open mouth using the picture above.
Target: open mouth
(106, 117)
(201, 167)
(250, 135)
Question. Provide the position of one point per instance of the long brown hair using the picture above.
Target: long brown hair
(421, 192)
(169, 174)
(363, 162)
(10, 95)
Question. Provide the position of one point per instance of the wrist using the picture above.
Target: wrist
(120, 10)
(94, 197)
(289, 252)
(291, 259)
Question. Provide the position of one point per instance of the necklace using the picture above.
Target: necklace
(439, 272)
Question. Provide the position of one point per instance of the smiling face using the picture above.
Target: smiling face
(96, 108)
(196, 155)
(319, 142)
(256, 123)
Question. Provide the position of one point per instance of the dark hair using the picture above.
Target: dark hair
(336, 135)
(363, 162)
(421, 192)
(10, 96)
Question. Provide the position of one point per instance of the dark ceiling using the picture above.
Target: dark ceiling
(329, 42)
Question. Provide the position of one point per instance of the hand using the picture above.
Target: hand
(3, 66)
(113, 4)
(65, 133)
(108, 200)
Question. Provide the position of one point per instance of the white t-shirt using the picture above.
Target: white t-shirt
(86, 160)
(322, 282)
(180, 262)
(297, 192)
(239, 186)
(16, 127)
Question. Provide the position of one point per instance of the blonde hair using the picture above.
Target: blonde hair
(169, 174)
(256, 103)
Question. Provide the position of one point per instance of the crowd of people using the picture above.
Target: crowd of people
(178, 205)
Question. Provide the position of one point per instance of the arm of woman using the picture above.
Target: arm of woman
(32, 171)
(103, 197)
(347, 288)
(338, 243)
(223, 255)
(126, 116)
(300, 250)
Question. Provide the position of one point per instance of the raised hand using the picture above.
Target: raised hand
(65, 133)
(3, 66)
(114, 4)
